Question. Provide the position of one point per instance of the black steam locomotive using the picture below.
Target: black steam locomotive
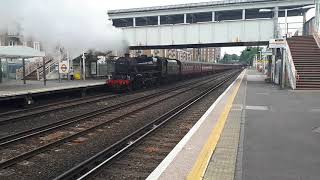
(138, 72)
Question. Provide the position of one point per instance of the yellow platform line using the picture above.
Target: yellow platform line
(199, 168)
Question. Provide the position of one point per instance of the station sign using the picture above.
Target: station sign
(277, 43)
(64, 67)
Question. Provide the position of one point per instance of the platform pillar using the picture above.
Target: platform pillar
(159, 20)
(243, 14)
(275, 22)
(24, 70)
(0, 71)
(134, 22)
(44, 72)
(213, 16)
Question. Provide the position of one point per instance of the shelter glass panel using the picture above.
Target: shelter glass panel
(228, 15)
(172, 19)
(126, 22)
(199, 17)
(147, 21)
(255, 14)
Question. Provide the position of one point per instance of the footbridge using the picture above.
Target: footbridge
(209, 24)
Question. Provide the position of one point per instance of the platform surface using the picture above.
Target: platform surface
(281, 133)
(15, 88)
(268, 134)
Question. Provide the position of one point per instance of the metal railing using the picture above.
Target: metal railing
(50, 67)
(35, 66)
(291, 69)
(317, 38)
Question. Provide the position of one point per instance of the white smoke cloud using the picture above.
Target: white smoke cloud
(78, 25)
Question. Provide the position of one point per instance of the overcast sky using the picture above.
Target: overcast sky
(125, 4)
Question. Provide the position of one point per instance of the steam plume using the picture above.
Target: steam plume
(78, 25)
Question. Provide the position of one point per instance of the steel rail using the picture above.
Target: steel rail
(57, 106)
(105, 157)
(4, 141)
(43, 148)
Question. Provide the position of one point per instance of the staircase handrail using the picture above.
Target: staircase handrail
(49, 68)
(317, 38)
(30, 67)
(291, 69)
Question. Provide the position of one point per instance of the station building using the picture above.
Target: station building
(10, 69)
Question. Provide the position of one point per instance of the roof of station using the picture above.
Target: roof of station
(190, 5)
(19, 52)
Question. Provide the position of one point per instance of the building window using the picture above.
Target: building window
(36, 46)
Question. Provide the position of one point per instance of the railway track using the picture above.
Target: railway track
(106, 158)
(25, 114)
(13, 116)
(7, 141)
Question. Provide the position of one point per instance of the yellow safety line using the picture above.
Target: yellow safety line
(198, 170)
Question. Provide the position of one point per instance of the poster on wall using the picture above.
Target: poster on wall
(93, 68)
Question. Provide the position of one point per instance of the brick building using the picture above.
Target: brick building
(190, 54)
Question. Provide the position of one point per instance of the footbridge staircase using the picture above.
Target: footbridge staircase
(303, 62)
(34, 69)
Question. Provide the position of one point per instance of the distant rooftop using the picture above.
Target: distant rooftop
(19, 52)
(190, 5)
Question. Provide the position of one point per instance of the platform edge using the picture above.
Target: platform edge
(203, 159)
(171, 156)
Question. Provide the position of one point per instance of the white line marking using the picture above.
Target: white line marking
(171, 156)
(257, 108)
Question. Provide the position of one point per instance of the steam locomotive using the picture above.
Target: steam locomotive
(138, 72)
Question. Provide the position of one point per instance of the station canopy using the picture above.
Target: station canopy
(19, 52)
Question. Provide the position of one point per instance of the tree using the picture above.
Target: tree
(230, 58)
(248, 54)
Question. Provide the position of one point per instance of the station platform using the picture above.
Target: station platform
(254, 131)
(16, 89)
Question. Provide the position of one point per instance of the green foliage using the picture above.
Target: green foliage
(230, 58)
(248, 54)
